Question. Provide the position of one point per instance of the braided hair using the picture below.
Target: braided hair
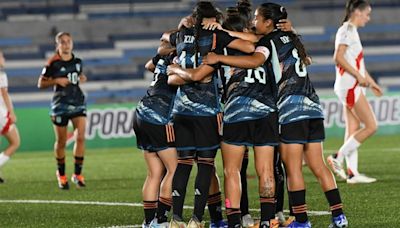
(203, 9)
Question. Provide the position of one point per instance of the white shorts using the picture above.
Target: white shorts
(349, 97)
(5, 121)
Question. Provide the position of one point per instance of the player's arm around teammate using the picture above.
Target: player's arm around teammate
(8, 119)
(64, 73)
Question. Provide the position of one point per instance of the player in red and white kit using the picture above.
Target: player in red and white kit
(8, 129)
(352, 80)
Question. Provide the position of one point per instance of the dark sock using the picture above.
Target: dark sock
(202, 185)
(298, 200)
(335, 202)
(233, 215)
(214, 207)
(179, 183)
(164, 206)
(279, 182)
(244, 199)
(267, 205)
(150, 208)
(78, 165)
(61, 166)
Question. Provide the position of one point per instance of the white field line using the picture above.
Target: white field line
(377, 149)
(316, 213)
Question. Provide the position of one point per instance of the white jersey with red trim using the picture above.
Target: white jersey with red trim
(3, 84)
(348, 35)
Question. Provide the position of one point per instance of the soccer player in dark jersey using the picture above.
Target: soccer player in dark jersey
(63, 72)
(155, 136)
(300, 114)
(196, 112)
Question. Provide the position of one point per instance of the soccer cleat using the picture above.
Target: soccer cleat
(62, 181)
(336, 167)
(247, 221)
(281, 218)
(195, 223)
(295, 224)
(273, 223)
(360, 179)
(219, 224)
(145, 225)
(79, 180)
(155, 224)
(176, 224)
(288, 221)
(1, 180)
(339, 221)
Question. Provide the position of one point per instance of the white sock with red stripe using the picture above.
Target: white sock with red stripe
(350, 145)
(352, 163)
(3, 159)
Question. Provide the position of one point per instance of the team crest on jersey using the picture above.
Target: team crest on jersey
(63, 69)
(285, 39)
(78, 67)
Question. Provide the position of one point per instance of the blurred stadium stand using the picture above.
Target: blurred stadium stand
(115, 38)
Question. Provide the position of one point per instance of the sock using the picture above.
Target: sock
(214, 207)
(78, 165)
(335, 202)
(150, 208)
(267, 205)
(352, 163)
(179, 183)
(3, 159)
(298, 199)
(61, 166)
(233, 215)
(350, 145)
(244, 200)
(202, 185)
(279, 183)
(164, 206)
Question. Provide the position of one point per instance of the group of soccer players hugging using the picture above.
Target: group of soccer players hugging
(255, 67)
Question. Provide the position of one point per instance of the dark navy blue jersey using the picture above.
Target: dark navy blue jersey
(70, 99)
(156, 106)
(198, 99)
(248, 92)
(296, 96)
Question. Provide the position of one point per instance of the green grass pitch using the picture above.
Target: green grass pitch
(116, 175)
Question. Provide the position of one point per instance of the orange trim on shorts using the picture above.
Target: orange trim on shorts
(219, 122)
(169, 131)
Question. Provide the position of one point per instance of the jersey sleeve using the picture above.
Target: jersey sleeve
(264, 47)
(223, 39)
(48, 71)
(155, 59)
(344, 36)
(3, 80)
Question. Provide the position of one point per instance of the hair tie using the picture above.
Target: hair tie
(282, 9)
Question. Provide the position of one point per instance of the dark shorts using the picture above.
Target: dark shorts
(62, 120)
(303, 131)
(197, 132)
(153, 137)
(259, 132)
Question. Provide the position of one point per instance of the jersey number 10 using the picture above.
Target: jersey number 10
(73, 77)
(258, 73)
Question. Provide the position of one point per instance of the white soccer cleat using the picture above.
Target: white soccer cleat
(336, 167)
(247, 221)
(360, 179)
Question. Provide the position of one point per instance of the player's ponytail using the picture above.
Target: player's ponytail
(245, 11)
(203, 9)
(234, 21)
(352, 5)
(276, 13)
